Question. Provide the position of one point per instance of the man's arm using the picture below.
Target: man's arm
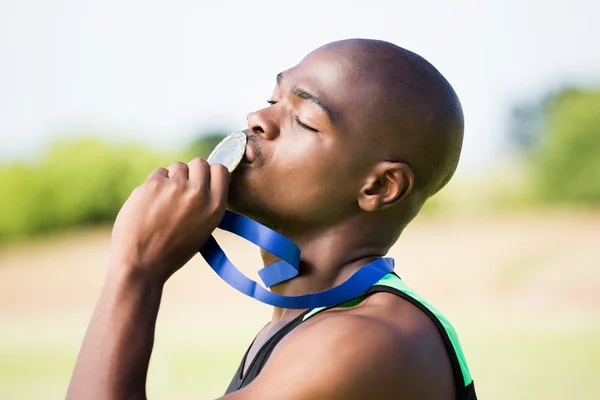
(160, 227)
(115, 354)
(355, 358)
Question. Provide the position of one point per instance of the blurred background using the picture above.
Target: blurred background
(96, 94)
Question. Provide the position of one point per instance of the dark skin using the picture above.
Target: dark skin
(356, 138)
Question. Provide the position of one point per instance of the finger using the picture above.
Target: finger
(178, 171)
(159, 173)
(219, 182)
(199, 173)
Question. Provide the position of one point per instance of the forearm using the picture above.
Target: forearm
(160, 227)
(113, 361)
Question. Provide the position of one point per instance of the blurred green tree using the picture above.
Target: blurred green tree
(78, 182)
(82, 181)
(561, 136)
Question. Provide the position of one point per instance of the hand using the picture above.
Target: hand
(167, 219)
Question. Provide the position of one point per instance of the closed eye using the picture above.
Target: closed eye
(303, 125)
(300, 123)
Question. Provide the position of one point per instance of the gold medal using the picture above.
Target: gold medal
(229, 151)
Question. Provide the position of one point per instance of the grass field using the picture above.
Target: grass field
(522, 290)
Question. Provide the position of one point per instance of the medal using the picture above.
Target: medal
(229, 151)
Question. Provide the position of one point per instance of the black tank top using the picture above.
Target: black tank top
(389, 284)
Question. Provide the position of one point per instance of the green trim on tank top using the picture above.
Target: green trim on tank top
(393, 281)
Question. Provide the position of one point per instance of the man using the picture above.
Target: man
(355, 139)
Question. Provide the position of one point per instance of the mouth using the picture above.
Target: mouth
(250, 153)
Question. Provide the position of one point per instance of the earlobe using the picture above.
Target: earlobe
(390, 183)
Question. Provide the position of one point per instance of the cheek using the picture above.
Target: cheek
(304, 178)
(309, 174)
(301, 148)
(304, 159)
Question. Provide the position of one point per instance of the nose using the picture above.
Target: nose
(263, 123)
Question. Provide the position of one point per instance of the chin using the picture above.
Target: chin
(244, 199)
(238, 196)
(251, 207)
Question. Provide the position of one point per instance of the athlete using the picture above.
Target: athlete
(354, 140)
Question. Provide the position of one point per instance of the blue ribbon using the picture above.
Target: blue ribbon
(285, 269)
(269, 240)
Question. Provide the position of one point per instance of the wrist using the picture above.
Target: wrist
(132, 278)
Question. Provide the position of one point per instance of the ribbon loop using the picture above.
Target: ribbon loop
(269, 240)
(285, 269)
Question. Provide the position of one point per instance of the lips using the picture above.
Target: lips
(250, 153)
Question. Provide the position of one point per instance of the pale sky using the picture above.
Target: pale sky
(160, 72)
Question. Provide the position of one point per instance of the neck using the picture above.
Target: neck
(327, 260)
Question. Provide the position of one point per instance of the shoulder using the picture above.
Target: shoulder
(383, 348)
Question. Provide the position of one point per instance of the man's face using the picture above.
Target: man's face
(308, 152)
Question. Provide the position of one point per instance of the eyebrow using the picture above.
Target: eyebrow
(305, 95)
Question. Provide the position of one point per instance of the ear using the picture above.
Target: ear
(388, 184)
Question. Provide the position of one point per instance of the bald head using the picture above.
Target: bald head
(410, 111)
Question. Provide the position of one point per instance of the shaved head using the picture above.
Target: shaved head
(410, 111)
(358, 134)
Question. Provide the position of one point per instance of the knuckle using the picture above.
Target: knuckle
(173, 190)
(175, 184)
(137, 190)
(157, 172)
(178, 165)
(216, 207)
(196, 192)
(153, 184)
(218, 169)
(199, 163)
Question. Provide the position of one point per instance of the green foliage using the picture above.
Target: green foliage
(568, 161)
(527, 119)
(561, 136)
(79, 182)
